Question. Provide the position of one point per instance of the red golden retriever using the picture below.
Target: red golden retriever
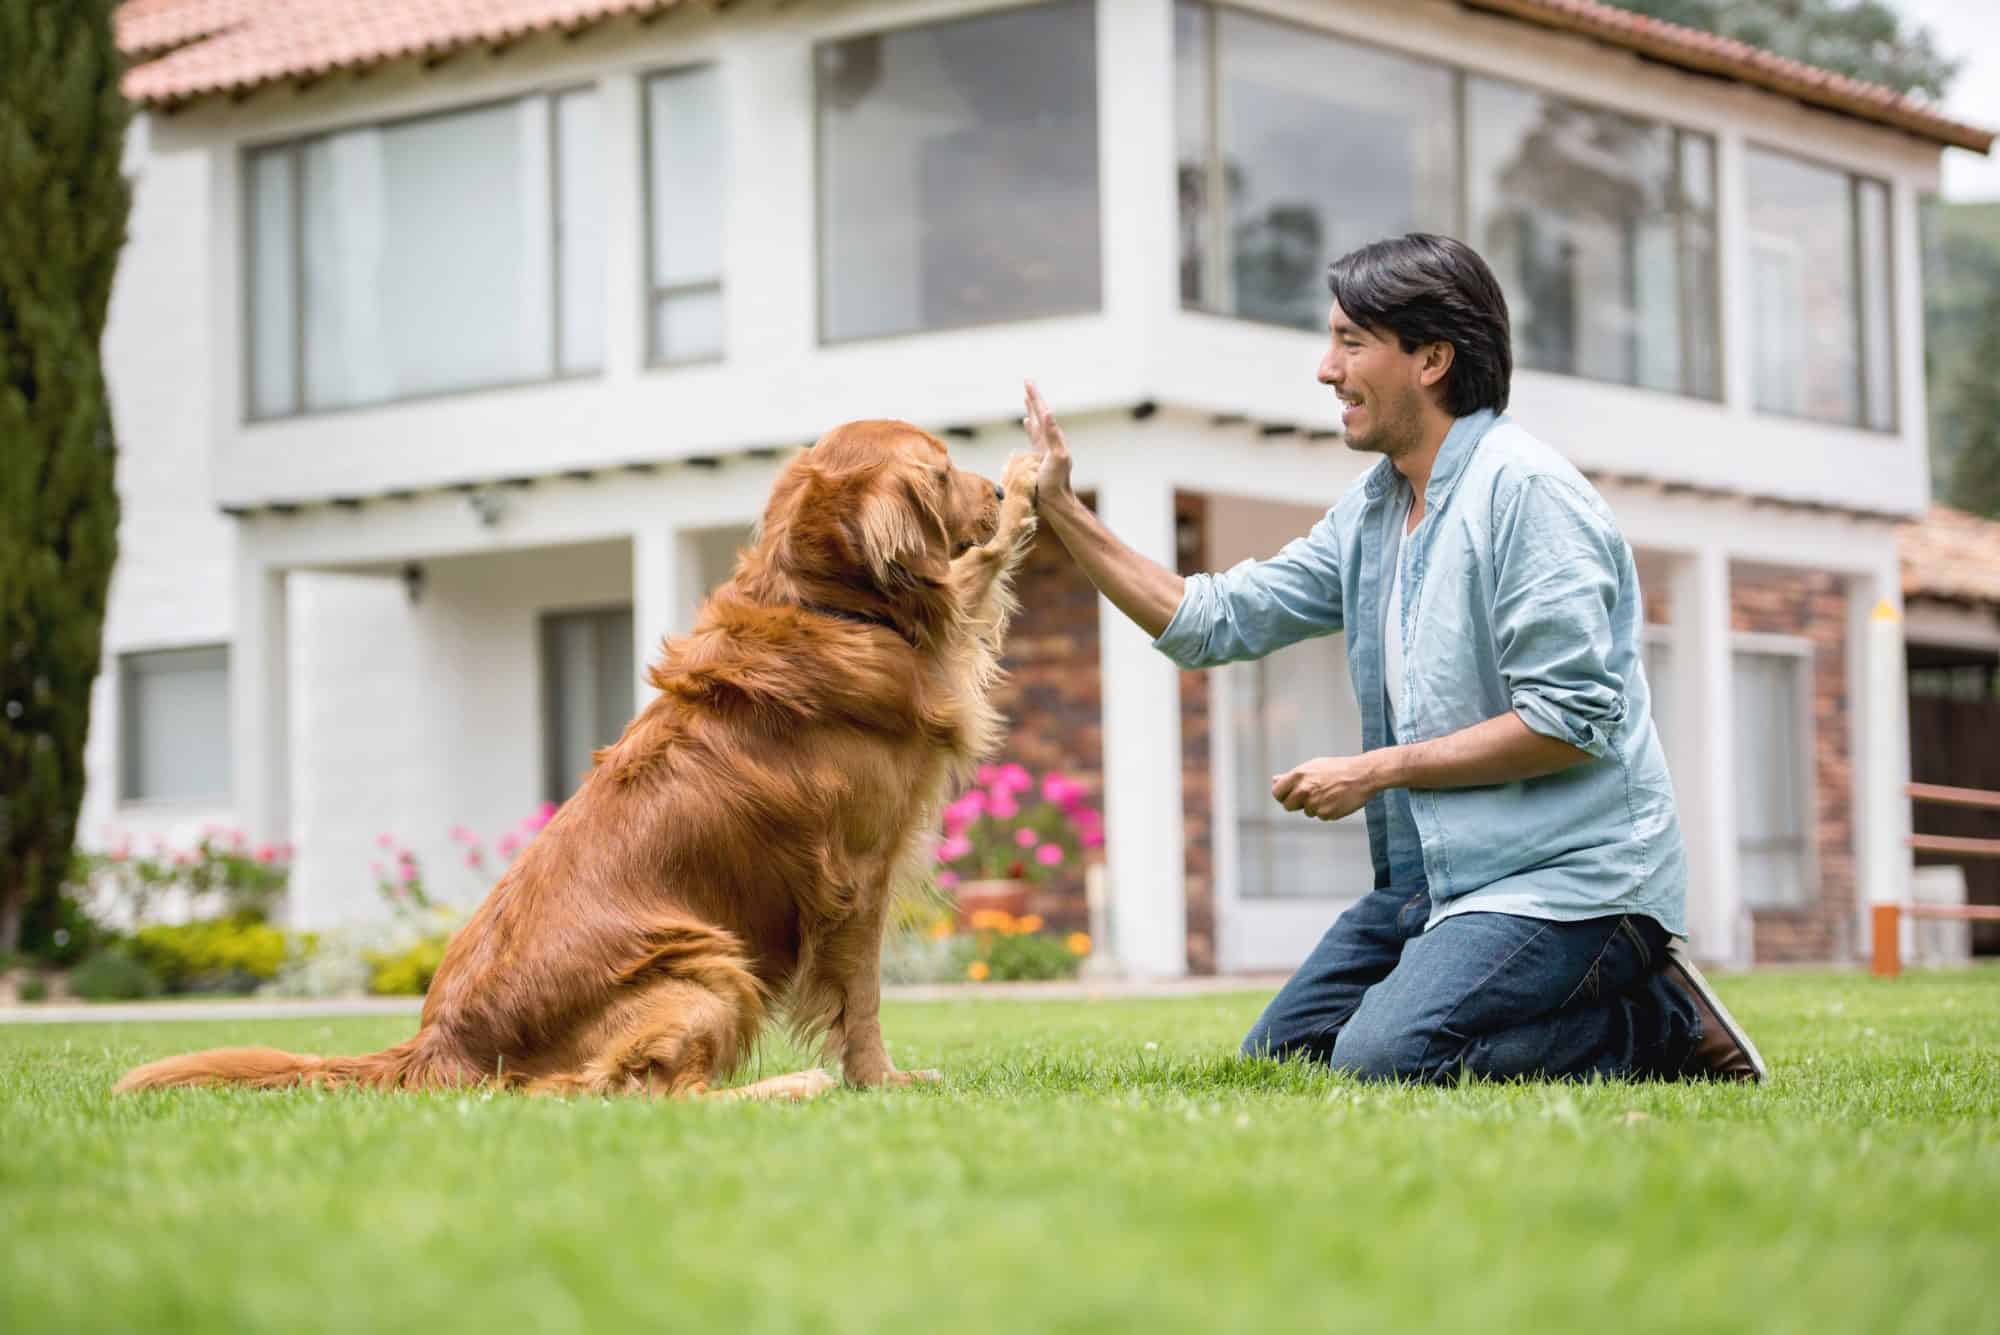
(733, 855)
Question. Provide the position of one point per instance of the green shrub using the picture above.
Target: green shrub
(405, 973)
(56, 931)
(32, 988)
(112, 975)
(231, 954)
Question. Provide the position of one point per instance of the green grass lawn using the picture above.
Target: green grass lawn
(1086, 1166)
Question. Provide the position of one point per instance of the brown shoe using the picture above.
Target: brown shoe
(1724, 1051)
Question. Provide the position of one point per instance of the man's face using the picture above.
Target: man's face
(1380, 384)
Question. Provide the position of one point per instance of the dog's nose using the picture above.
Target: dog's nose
(999, 492)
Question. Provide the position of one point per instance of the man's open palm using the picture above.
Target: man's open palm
(1052, 481)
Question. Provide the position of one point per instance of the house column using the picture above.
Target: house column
(260, 669)
(664, 571)
(1701, 753)
(1145, 873)
(1878, 713)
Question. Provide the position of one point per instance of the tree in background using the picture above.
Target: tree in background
(1864, 39)
(1975, 474)
(63, 206)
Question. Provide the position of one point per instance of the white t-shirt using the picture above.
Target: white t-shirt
(1392, 619)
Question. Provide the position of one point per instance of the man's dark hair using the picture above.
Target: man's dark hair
(1432, 289)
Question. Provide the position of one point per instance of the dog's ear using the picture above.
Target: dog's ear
(901, 534)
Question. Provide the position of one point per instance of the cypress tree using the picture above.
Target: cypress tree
(63, 206)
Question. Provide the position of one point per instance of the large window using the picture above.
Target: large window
(1601, 229)
(587, 674)
(443, 253)
(1773, 777)
(958, 173)
(1294, 149)
(1824, 332)
(174, 725)
(684, 203)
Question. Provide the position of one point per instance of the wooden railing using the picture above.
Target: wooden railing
(1888, 918)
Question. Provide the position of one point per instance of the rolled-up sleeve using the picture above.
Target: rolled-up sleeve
(1257, 607)
(1556, 566)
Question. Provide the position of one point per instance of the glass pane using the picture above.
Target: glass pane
(1701, 301)
(958, 171)
(176, 725)
(1573, 208)
(1802, 288)
(686, 147)
(274, 384)
(1315, 166)
(687, 326)
(428, 256)
(615, 670)
(1878, 319)
(1773, 794)
(580, 230)
(588, 670)
(1192, 126)
(1289, 707)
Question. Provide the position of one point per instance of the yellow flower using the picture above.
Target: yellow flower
(940, 930)
(1031, 923)
(991, 920)
(1078, 943)
(977, 971)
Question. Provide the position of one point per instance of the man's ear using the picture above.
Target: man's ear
(1435, 364)
(902, 537)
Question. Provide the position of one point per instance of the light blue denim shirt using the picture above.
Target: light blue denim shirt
(1520, 594)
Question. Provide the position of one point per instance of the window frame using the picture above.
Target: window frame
(655, 293)
(1214, 228)
(821, 339)
(1857, 275)
(1802, 664)
(124, 769)
(293, 148)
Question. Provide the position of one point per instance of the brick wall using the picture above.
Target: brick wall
(1197, 792)
(1809, 605)
(1052, 699)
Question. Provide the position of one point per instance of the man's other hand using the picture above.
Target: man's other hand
(1330, 787)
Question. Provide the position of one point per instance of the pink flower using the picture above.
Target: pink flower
(472, 858)
(237, 839)
(987, 775)
(1016, 778)
(406, 857)
(1091, 838)
(947, 880)
(543, 815)
(1025, 838)
(183, 860)
(265, 853)
(954, 848)
(509, 845)
(385, 841)
(1003, 806)
(285, 852)
(1049, 855)
(460, 835)
(409, 874)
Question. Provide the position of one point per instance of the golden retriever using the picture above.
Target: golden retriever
(735, 852)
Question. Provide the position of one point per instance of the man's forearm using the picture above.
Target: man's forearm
(1138, 586)
(1503, 749)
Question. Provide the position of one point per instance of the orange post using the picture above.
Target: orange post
(1888, 922)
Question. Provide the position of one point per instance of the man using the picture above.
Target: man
(1529, 875)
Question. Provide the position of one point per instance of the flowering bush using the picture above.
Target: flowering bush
(399, 877)
(1009, 826)
(1004, 948)
(232, 954)
(221, 872)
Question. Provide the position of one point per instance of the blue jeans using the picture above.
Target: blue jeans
(1485, 994)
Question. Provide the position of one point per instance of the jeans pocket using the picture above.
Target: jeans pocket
(1638, 940)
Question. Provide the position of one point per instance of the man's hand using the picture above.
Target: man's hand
(1330, 787)
(1051, 450)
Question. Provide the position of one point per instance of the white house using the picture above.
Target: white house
(456, 347)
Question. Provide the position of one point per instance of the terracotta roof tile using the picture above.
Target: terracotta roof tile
(1952, 555)
(184, 49)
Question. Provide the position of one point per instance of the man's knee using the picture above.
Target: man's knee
(1277, 1041)
(1369, 1052)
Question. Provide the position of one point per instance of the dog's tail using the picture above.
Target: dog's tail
(403, 1066)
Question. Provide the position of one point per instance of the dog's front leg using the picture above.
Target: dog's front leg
(855, 955)
(979, 576)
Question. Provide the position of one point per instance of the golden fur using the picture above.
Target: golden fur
(735, 852)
